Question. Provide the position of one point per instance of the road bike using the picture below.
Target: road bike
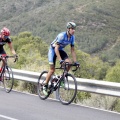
(66, 84)
(6, 74)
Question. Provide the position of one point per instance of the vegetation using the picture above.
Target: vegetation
(98, 22)
(113, 74)
(34, 24)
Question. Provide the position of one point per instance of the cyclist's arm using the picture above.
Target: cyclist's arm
(73, 53)
(57, 52)
(11, 48)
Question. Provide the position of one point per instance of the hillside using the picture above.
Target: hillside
(98, 21)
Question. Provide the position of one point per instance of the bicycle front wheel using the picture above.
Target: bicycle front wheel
(67, 89)
(8, 79)
(40, 84)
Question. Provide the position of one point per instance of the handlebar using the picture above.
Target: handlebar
(76, 67)
(6, 57)
(66, 64)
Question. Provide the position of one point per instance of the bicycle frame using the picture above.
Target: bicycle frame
(3, 66)
(65, 72)
(4, 59)
(6, 73)
(62, 85)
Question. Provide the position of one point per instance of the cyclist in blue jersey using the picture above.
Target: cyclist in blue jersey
(4, 38)
(56, 50)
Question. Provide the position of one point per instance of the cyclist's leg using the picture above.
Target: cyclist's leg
(52, 59)
(65, 57)
(1, 65)
(69, 61)
(50, 73)
(2, 53)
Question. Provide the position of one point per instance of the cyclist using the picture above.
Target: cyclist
(4, 38)
(56, 50)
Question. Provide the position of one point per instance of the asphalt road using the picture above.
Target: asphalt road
(20, 106)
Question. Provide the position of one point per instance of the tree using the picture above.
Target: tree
(113, 74)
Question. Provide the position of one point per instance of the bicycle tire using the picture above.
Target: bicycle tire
(41, 80)
(8, 80)
(67, 93)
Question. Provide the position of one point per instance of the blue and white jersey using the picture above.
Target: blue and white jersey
(62, 40)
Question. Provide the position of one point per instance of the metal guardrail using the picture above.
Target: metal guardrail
(87, 85)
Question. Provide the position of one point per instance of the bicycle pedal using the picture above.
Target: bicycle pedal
(49, 92)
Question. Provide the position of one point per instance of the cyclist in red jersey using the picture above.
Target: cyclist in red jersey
(4, 38)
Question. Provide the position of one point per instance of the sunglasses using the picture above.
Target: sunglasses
(73, 28)
(5, 37)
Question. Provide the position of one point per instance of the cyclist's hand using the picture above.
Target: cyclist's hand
(77, 64)
(61, 61)
(16, 57)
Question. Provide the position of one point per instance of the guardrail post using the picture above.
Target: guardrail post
(56, 95)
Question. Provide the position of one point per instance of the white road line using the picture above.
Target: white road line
(9, 118)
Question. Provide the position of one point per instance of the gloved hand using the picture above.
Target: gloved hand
(16, 57)
(61, 61)
(76, 64)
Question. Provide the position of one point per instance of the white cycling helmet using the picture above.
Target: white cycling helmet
(71, 25)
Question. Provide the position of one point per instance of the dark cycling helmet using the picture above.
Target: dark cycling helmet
(5, 31)
(71, 25)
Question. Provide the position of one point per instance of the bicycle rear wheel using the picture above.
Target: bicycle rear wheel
(8, 79)
(67, 89)
(41, 81)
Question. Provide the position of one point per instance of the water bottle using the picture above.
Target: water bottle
(55, 78)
